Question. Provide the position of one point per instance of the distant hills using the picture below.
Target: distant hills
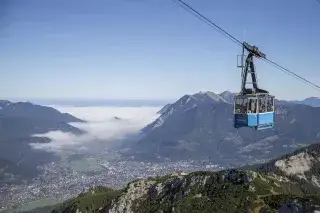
(200, 126)
(18, 123)
(33, 111)
(23, 119)
(312, 101)
(290, 183)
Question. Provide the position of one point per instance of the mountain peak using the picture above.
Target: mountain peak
(227, 92)
(312, 97)
(208, 96)
(228, 96)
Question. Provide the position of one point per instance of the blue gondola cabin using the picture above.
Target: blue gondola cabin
(256, 111)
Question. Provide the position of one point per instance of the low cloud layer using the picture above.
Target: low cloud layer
(102, 126)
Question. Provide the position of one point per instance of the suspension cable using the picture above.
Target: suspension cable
(237, 41)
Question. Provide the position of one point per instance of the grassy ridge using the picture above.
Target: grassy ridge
(90, 201)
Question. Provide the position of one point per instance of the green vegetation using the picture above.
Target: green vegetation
(225, 191)
(89, 201)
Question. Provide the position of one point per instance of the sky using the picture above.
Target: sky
(152, 49)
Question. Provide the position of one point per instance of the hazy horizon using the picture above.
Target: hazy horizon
(120, 102)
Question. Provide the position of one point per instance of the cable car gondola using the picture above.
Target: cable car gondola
(253, 107)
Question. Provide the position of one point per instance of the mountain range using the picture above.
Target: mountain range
(290, 183)
(200, 126)
(196, 126)
(18, 123)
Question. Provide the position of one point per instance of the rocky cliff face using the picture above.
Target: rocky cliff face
(226, 191)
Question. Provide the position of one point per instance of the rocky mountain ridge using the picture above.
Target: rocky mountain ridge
(286, 184)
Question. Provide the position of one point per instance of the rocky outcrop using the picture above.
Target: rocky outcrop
(288, 184)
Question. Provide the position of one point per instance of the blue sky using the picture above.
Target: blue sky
(152, 49)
